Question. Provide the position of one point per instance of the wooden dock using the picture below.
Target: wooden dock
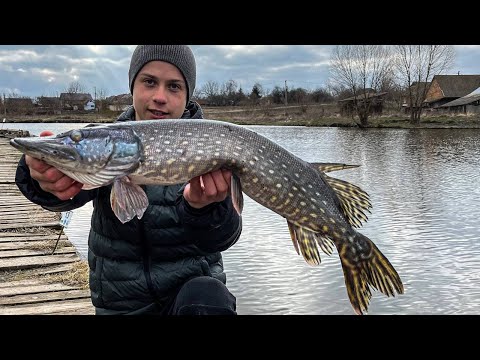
(33, 281)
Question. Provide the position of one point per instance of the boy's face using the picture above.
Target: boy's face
(159, 92)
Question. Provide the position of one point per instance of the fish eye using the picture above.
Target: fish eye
(76, 135)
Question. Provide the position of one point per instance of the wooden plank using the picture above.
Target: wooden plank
(27, 218)
(12, 200)
(4, 254)
(12, 224)
(14, 197)
(33, 209)
(50, 269)
(32, 238)
(19, 200)
(45, 297)
(15, 226)
(70, 307)
(79, 311)
(29, 245)
(39, 232)
(11, 195)
(33, 289)
(34, 261)
(13, 208)
(19, 207)
(27, 211)
(11, 204)
(30, 215)
(20, 283)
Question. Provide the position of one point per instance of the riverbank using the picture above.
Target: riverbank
(316, 116)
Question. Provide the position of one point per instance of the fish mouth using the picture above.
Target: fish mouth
(46, 150)
(15, 144)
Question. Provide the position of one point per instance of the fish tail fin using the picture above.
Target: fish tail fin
(367, 267)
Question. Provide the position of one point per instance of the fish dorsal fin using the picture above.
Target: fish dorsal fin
(305, 242)
(353, 200)
(328, 167)
(127, 199)
(236, 193)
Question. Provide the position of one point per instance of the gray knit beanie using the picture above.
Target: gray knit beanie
(180, 56)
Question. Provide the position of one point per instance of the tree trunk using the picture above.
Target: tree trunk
(415, 117)
(363, 116)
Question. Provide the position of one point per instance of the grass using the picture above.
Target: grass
(293, 115)
(76, 277)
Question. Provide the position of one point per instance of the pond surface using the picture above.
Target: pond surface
(425, 189)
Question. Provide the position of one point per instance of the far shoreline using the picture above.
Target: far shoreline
(307, 120)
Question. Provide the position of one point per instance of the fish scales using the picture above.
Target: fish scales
(321, 211)
(269, 174)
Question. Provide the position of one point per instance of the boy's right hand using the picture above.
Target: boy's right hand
(50, 179)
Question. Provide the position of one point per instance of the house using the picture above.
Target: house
(89, 106)
(372, 99)
(468, 104)
(48, 105)
(417, 91)
(446, 88)
(119, 102)
(77, 101)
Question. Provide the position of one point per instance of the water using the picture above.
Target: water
(425, 189)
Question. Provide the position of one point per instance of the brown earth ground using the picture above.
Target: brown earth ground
(295, 115)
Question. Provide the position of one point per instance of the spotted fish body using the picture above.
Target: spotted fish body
(321, 211)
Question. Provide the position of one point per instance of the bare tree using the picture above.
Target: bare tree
(211, 92)
(416, 65)
(100, 98)
(229, 92)
(101, 94)
(75, 87)
(360, 69)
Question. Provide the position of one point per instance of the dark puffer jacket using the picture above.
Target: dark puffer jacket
(142, 262)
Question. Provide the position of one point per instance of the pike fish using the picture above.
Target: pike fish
(322, 212)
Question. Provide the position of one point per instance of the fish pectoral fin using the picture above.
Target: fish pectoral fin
(236, 193)
(95, 180)
(354, 201)
(127, 200)
(305, 242)
(328, 167)
(89, 181)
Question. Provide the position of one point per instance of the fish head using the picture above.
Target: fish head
(92, 151)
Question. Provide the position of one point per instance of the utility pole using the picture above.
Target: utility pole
(286, 90)
(4, 106)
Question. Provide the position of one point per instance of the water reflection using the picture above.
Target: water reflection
(425, 189)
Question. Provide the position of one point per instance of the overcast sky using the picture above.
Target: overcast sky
(47, 70)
